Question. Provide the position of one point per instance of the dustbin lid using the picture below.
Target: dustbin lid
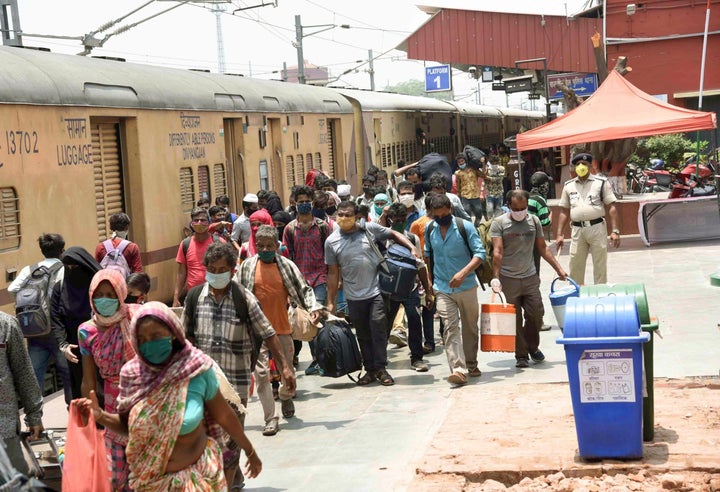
(637, 290)
(611, 316)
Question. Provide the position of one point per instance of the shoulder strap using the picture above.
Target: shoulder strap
(109, 248)
(191, 301)
(428, 231)
(374, 247)
(241, 309)
(186, 245)
(323, 226)
(123, 244)
(290, 231)
(463, 232)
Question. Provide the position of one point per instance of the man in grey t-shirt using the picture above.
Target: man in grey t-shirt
(514, 236)
(348, 252)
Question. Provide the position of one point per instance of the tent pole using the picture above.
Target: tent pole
(700, 94)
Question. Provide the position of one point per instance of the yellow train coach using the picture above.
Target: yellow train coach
(81, 139)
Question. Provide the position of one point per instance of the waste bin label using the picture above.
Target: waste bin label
(606, 376)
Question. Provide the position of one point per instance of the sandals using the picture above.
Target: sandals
(368, 378)
(288, 408)
(385, 378)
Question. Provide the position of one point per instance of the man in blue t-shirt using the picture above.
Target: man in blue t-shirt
(453, 260)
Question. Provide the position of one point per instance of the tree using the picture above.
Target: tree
(415, 87)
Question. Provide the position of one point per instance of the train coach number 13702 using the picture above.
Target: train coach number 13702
(21, 142)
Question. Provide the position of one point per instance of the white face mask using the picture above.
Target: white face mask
(407, 200)
(518, 215)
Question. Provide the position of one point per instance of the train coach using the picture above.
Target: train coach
(83, 138)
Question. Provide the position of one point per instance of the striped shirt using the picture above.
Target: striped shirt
(538, 206)
(224, 337)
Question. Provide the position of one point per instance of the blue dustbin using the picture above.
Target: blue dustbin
(603, 350)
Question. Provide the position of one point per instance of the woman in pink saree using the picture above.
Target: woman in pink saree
(171, 409)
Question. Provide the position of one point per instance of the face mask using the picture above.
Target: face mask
(331, 210)
(218, 280)
(581, 170)
(444, 221)
(319, 213)
(399, 226)
(304, 208)
(346, 223)
(366, 189)
(106, 306)
(157, 351)
(131, 299)
(378, 210)
(121, 234)
(200, 228)
(407, 200)
(518, 215)
(462, 166)
(544, 189)
(267, 256)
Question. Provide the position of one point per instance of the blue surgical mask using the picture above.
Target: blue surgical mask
(106, 306)
(266, 256)
(218, 280)
(157, 351)
(462, 166)
(304, 208)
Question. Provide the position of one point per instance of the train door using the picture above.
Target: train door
(276, 173)
(234, 160)
(336, 166)
(378, 140)
(107, 172)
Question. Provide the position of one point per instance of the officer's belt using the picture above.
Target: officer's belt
(588, 223)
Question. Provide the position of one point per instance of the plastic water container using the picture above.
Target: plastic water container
(603, 350)
(497, 326)
(637, 290)
(559, 297)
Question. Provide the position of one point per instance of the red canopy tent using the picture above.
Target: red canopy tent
(618, 109)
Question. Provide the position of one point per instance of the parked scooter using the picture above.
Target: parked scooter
(657, 179)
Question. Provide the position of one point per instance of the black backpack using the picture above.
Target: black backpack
(337, 350)
(32, 302)
(241, 311)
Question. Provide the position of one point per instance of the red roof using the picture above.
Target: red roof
(467, 37)
(618, 109)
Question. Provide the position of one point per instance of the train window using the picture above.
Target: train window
(290, 170)
(302, 119)
(309, 161)
(300, 168)
(264, 178)
(219, 179)
(187, 189)
(204, 182)
(296, 140)
(287, 120)
(262, 138)
(318, 160)
(9, 219)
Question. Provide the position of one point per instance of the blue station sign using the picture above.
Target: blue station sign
(438, 78)
(584, 84)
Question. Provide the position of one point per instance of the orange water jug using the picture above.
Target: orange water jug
(497, 326)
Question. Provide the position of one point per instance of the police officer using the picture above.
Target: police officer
(586, 196)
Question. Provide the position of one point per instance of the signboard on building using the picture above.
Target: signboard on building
(584, 84)
(518, 84)
(438, 78)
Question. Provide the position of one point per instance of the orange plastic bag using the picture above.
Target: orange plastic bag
(85, 468)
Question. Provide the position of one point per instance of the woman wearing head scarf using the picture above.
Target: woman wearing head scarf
(105, 346)
(379, 203)
(170, 406)
(248, 249)
(70, 306)
(273, 203)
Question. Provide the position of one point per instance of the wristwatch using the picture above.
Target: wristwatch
(616, 231)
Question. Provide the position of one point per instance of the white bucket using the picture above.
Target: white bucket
(558, 299)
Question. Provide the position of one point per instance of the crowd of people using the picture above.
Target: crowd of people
(177, 387)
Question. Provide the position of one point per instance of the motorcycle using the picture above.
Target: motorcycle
(694, 181)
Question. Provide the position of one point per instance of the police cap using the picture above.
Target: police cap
(584, 157)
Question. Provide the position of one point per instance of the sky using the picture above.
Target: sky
(257, 41)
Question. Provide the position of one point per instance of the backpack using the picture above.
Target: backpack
(32, 303)
(402, 273)
(337, 349)
(114, 258)
(484, 272)
(241, 311)
(322, 225)
(186, 243)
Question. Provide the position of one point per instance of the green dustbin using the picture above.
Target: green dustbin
(647, 324)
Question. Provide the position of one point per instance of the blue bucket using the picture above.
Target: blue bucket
(558, 299)
(611, 316)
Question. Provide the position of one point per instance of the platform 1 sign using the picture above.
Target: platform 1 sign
(438, 78)
(584, 84)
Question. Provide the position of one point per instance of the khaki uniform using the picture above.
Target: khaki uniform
(589, 229)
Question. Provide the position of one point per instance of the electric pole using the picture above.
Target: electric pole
(371, 70)
(299, 47)
(10, 23)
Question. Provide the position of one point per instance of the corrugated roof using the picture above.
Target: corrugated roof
(467, 37)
